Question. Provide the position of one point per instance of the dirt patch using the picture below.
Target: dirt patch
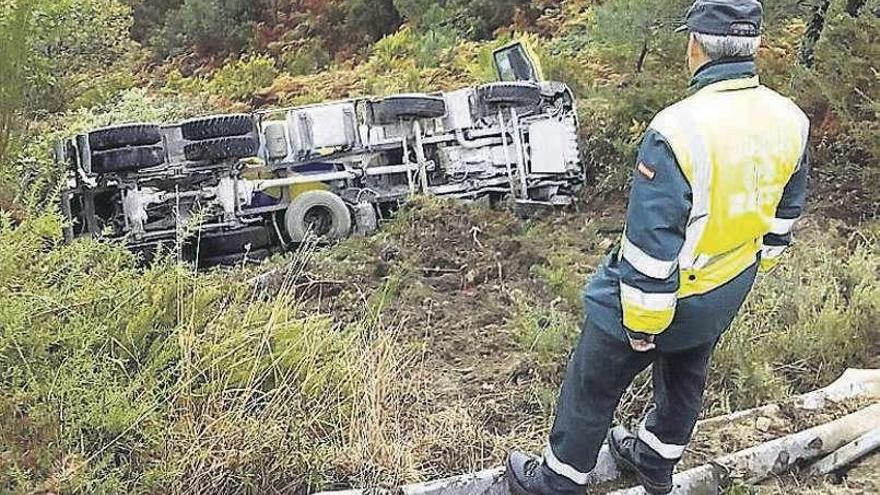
(453, 280)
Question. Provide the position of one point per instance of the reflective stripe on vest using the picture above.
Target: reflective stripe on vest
(700, 190)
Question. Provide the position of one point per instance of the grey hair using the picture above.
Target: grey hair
(718, 47)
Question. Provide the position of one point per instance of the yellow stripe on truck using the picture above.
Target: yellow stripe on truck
(296, 189)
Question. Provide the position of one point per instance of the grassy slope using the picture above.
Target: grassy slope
(428, 349)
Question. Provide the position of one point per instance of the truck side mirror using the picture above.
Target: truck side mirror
(514, 63)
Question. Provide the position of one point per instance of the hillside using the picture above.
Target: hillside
(432, 347)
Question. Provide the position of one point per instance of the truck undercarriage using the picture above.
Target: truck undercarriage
(226, 186)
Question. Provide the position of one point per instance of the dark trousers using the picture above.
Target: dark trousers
(599, 371)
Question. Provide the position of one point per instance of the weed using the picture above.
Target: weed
(545, 333)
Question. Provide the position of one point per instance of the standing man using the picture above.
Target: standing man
(721, 178)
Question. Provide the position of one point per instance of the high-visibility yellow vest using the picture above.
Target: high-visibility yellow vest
(738, 143)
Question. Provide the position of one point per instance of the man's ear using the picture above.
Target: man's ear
(695, 54)
(693, 47)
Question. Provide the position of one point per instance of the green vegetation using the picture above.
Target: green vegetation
(805, 322)
(429, 348)
(13, 32)
(122, 380)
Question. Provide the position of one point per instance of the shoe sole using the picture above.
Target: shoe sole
(513, 485)
(629, 466)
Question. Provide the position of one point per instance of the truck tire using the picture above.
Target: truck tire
(123, 136)
(510, 94)
(127, 159)
(221, 149)
(217, 126)
(231, 242)
(392, 109)
(319, 213)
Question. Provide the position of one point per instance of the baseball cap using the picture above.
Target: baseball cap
(724, 17)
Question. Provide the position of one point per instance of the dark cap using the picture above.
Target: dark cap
(725, 17)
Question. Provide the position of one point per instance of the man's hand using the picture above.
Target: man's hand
(642, 344)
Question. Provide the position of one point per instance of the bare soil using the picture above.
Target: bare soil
(449, 278)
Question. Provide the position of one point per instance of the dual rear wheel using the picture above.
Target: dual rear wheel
(220, 137)
(133, 147)
(125, 148)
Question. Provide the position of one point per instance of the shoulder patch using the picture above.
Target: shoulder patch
(647, 171)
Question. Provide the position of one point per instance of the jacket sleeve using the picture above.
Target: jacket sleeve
(790, 208)
(657, 217)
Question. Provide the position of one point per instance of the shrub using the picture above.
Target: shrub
(428, 49)
(804, 323)
(79, 47)
(31, 175)
(483, 17)
(370, 20)
(304, 59)
(802, 326)
(240, 79)
(842, 93)
(546, 334)
(14, 26)
(214, 26)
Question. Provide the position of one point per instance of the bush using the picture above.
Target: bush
(14, 26)
(843, 97)
(428, 49)
(370, 20)
(546, 334)
(304, 59)
(214, 26)
(31, 176)
(242, 78)
(80, 52)
(802, 326)
(483, 17)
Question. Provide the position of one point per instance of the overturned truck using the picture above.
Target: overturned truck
(229, 186)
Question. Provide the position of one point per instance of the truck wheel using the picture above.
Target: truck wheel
(122, 136)
(393, 108)
(319, 213)
(513, 94)
(211, 244)
(221, 148)
(217, 126)
(127, 159)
